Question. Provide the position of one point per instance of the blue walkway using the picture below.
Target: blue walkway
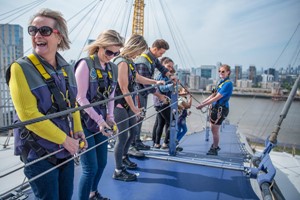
(160, 178)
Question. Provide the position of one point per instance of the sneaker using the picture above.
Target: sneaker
(156, 146)
(135, 153)
(124, 175)
(98, 196)
(141, 146)
(218, 148)
(212, 151)
(164, 146)
(128, 164)
(111, 144)
(179, 148)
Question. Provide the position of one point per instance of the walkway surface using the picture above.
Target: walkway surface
(191, 174)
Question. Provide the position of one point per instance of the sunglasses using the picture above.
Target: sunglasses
(44, 30)
(111, 53)
(222, 72)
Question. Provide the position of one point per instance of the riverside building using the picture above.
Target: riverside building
(11, 46)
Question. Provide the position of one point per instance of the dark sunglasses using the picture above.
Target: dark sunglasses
(44, 30)
(222, 72)
(111, 53)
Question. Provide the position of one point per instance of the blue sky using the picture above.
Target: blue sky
(236, 32)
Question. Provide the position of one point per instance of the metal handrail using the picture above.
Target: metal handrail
(65, 112)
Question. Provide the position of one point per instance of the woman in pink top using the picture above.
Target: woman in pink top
(96, 80)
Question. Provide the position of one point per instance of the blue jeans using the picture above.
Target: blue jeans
(57, 184)
(93, 164)
(182, 129)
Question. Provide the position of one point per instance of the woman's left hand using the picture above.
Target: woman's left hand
(111, 122)
(80, 135)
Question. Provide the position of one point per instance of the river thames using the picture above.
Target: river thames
(255, 117)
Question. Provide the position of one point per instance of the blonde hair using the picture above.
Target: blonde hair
(60, 25)
(105, 39)
(135, 46)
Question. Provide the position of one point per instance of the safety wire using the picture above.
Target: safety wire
(21, 124)
(194, 98)
(202, 118)
(65, 112)
(79, 154)
(110, 138)
(246, 110)
(21, 10)
(201, 115)
(265, 123)
(116, 135)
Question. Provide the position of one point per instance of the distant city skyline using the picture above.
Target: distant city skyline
(239, 32)
(246, 68)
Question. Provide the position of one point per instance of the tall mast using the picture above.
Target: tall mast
(287, 105)
(138, 17)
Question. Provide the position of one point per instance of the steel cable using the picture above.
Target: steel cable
(62, 113)
(109, 138)
(26, 7)
(72, 158)
(78, 108)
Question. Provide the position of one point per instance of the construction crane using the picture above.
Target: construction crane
(138, 17)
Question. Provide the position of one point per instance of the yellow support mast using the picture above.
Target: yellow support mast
(138, 17)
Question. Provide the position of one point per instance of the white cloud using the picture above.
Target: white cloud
(234, 32)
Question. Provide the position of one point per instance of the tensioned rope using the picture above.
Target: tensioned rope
(156, 18)
(17, 9)
(195, 98)
(76, 14)
(115, 20)
(287, 44)
(128, 20)
(79, 154)
(183, 50)
(295, 55)
(246, 110)
(24, 8)
(203, 118)
(76, 26)
(177, 47)
(109, 138)
(62, 113)
(96, 19)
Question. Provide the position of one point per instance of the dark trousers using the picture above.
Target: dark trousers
(163, 119)
(125, 136)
